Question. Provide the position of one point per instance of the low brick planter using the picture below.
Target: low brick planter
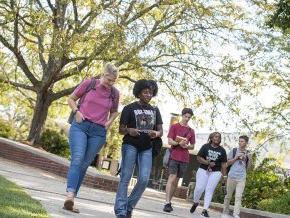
(181, 192)
(43, 160)
(246, 212)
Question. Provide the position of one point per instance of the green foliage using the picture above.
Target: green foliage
(276, 205)
(260, 186)
(218, 195)
(113, 143)
(56, 44)
(281, 16)
(54, 142)
(16, 108)
(6, 129)
(263, 183)
(15, 203)
(266, 189)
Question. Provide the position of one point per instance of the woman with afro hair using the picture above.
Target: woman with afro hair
(139, 123)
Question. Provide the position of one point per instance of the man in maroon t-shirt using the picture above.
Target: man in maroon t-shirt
(181, 138)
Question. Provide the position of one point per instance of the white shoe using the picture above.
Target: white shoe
(236, 216)
(224, 215)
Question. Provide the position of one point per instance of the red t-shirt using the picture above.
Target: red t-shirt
(178, 153)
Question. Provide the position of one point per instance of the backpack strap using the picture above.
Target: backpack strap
(91, 86)
(247, 158)
(113, 93)
(234, 154)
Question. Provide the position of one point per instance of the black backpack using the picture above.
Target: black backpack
(234, 154)
(157, 143)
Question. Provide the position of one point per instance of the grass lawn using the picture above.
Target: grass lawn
(14, 202)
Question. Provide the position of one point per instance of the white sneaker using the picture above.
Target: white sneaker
(224, 215)
(236, 216)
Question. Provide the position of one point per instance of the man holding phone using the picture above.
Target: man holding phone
(181, 138)
(239, 161)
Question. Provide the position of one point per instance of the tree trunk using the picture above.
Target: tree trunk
(39, 116)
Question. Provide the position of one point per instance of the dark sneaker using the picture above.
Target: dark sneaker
(168, 208)
(194, 206)
(204, 213)
(129, 213)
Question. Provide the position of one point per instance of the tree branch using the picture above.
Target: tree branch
(152, 34)
(40, 52)
(62, 93)
(87, 61)
(40, 5)
(19, 85)
(21, 62)
(128, 11)
(91, 15)
(15, 31)
(127, 78)
(27, 39)
(76, 16)
(141, 13)
(51, 6)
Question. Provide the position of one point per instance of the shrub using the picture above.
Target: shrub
(218, 195)
(264, 188)
(55, 142)
(6, 130)
(263, 183)
(277, 205)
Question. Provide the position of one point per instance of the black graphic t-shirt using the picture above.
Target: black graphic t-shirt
(143, 118)
(217, 155)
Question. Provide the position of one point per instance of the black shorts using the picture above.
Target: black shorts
(177, 168)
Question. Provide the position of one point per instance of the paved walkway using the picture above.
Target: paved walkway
(49, 189)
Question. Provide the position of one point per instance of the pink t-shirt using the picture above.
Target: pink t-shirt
(98, 102)
(178, 153)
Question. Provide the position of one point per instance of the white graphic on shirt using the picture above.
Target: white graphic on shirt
(213, 155)
(145, 119)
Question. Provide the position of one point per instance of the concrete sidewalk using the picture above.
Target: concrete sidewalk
(49, 189)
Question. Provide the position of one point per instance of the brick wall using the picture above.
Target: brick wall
(30, 156)
(181, 192)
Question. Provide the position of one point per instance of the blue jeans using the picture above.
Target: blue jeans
(130, 158)
(85, 139)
